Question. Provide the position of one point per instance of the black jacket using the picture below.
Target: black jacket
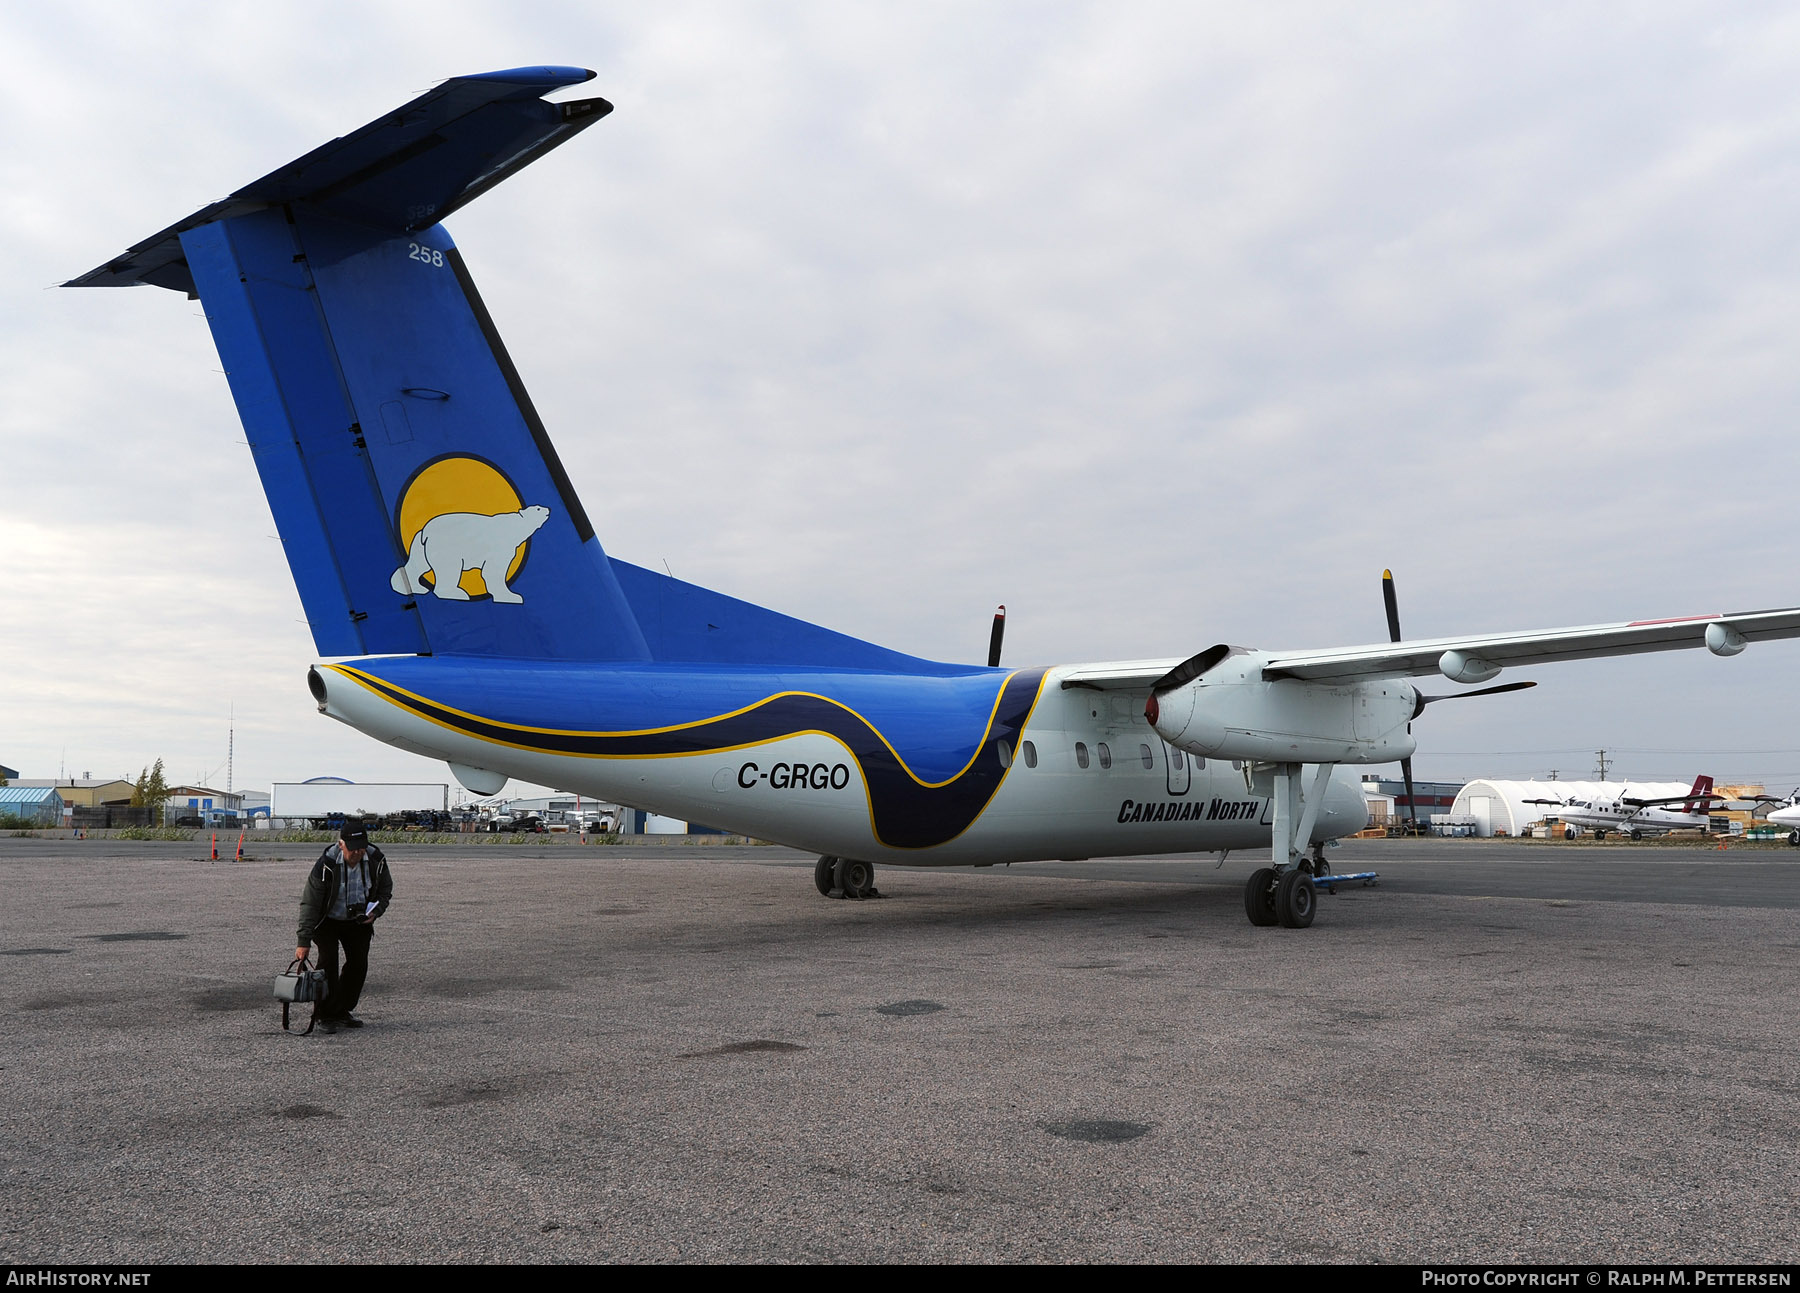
(322, 886)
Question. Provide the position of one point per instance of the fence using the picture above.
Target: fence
(106, 817)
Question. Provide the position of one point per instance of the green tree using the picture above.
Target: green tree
(150, 790)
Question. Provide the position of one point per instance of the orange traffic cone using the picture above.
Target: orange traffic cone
(240, 848)
(215, 846)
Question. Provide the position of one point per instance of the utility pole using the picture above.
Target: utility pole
(1601, 756)
(230, 743)
(1553, 774)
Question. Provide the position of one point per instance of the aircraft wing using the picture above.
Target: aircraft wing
(1497, 651)
(1537, 646)
(1125, 675)
(1677, 799)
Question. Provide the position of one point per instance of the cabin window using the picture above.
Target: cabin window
(1149, 760)
(1081, 757)
(1005, 748)
(1105, 755)
(1030, 754)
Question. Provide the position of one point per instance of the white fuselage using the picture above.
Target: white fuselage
(1088, 778)
(1788, 815)
(1601, 814)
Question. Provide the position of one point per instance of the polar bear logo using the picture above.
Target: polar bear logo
(452, 543)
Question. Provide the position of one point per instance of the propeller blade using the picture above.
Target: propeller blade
(1485, 691)
(1190, 669)
(1392, 603)
(995, 637)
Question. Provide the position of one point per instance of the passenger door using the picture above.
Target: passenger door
(1181, 769)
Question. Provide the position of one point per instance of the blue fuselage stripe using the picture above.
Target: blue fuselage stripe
(907, 812)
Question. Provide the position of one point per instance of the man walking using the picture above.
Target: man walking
(347, 890)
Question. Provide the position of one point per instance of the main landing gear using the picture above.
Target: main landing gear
(845, 878)
(1286, 894)
(1286, 898)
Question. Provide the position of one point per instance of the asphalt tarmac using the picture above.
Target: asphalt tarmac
(1502, 1053)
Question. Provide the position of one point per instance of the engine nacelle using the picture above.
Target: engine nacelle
(1231, 712)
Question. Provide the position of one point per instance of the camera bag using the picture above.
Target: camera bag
(299, 983)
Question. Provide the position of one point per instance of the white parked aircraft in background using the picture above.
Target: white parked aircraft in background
(1788, 815)
(434, 536)
(1633, 816)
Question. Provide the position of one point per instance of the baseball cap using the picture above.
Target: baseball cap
(354, 833)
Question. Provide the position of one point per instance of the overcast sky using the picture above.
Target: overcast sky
(1163, 324)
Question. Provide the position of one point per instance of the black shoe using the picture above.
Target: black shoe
(348, 1021)
(325, 1024)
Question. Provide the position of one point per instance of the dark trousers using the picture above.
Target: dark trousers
(346, 986)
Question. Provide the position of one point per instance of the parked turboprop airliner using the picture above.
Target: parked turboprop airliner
(435, 538)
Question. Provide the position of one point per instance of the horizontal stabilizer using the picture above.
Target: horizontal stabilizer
(404, 171)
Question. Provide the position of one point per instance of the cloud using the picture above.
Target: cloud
(1164, 325)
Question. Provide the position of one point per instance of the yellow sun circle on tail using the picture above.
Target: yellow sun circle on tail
(458, 484)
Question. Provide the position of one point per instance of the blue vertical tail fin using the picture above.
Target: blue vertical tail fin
(421, 504)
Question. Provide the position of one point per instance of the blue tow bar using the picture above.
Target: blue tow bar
(1329, 883)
